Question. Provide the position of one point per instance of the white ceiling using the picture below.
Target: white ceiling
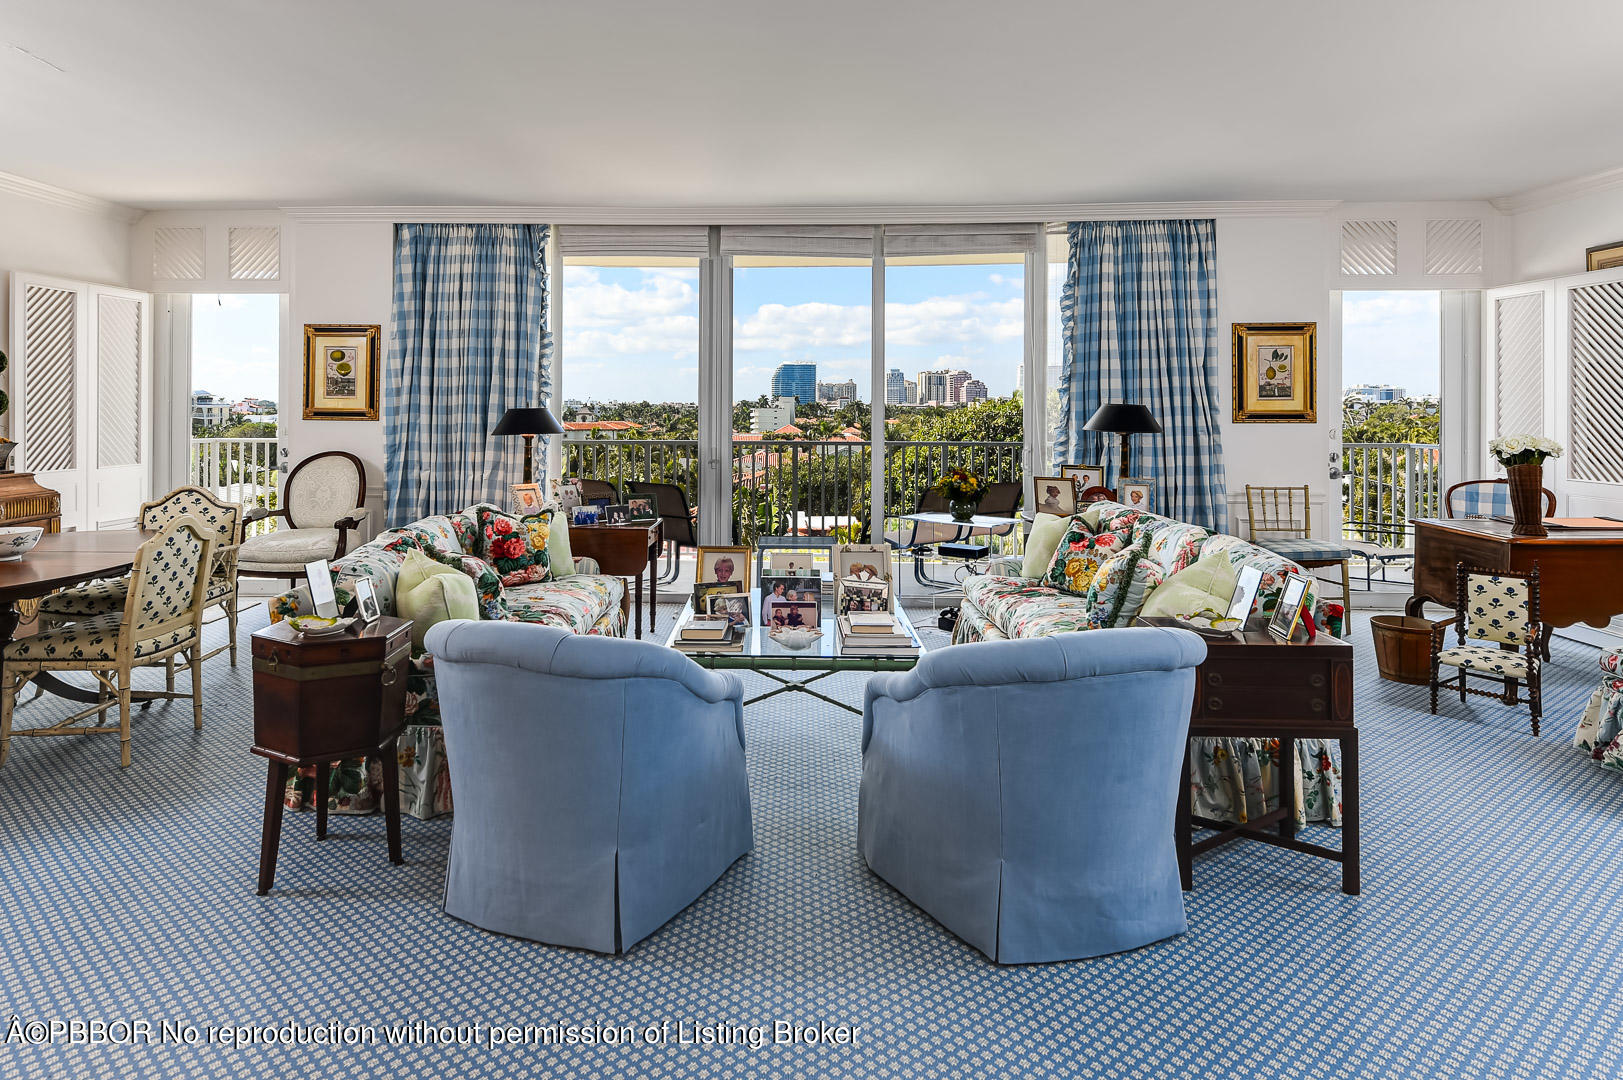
(699, 103)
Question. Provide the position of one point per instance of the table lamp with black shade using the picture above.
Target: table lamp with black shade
(528, 423)
(1127, 420)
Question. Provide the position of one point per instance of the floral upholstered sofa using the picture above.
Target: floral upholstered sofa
(1232, 779)
(575, 598)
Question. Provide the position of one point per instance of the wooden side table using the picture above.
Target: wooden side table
(320, 700)
(630, 551)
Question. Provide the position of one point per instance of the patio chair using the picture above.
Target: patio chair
(1486, 498)
(1497, 634)
(105, 597)
(598, 489)
(921, 538)
(162, 617)
(321, 504)
(1280, 520)
(680, 522)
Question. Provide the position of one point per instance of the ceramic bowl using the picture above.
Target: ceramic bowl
(318, 625)
(18, 541)
(797, 638)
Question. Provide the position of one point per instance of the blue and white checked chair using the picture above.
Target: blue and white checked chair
(1498, 636)
(1486, 498)
(1280, 521)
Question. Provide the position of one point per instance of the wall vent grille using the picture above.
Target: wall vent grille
(1454, 246)
(177, 253)
(256, 253)
(1369, 247)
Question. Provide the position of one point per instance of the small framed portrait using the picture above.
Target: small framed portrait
(793, 616)
(1135, 491)
(584, 515)
(1055, 495)
(777, 589)
(1095, 494)
(366, 601)
(863, 562)
(704, 590)
(1604, 256)
(644, 508)
(568, 495)
(318, 577)
(724, 564)
(526, 498)
(796, 563)
(341, 371)
(732, 606)
(863, 596)
(1275, 372)
(1085, 476)
(1288, 612)
(617, 513)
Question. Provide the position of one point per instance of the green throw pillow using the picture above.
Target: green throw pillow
(1046, 530)
(434, 599)
(1209, 583)
(416, 567)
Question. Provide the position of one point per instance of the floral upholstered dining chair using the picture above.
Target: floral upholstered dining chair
(1496, 623)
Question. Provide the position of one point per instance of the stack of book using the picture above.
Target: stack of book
(708, 635)
(874, 633)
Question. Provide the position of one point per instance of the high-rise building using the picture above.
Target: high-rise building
(779, 414)
(955, 384)
(895, 387)
(1377, 392)
(837, 393)
(934, 388)
(974, 390)
(910, 392)
(796, 379)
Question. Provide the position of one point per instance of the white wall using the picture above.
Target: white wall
(1272, 269)
(341, 274)
(45, 238)
(1549, 241)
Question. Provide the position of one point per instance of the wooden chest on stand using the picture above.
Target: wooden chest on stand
(24, 502)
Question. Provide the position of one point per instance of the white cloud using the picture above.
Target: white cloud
(939, 320)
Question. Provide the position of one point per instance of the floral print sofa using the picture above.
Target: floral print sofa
(577, 598)
(1231, 779)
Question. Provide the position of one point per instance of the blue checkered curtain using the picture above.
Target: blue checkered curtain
(468, 340)
(1139, 325)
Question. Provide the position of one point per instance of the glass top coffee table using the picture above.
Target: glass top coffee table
(823, 657)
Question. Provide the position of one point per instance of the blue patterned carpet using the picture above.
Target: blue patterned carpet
(1480, 948)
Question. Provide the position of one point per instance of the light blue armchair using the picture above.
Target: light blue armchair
(1024, 792)
(600, 784)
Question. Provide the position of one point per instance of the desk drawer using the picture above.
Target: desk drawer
(1260, 690)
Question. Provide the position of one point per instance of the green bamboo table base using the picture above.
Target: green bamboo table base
(821, 666)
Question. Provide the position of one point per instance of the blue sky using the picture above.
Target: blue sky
(234, 344)
(1393, 338)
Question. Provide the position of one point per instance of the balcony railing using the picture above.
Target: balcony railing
(1384, 485)
(793, 486)
(240, 471)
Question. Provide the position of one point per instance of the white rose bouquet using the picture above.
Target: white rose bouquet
(1524, 449)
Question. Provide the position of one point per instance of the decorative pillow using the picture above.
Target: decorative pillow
(1121, 585)
(550, 531)
(1078, 557)
(1046, 531)
(505, 543)
(1209, 583)
(1176, 546)
(440, 596)
(487, 584)
(417, 565)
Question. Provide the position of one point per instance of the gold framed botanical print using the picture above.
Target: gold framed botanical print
(1276, 372)
(341, 371)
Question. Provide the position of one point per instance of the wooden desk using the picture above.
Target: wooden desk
(320, 700)
(1264, 688)
(1578, 579)
(630, 551)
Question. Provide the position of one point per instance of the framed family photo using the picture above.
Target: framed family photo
(1135, 491)
(863, 596)
(341, 371)
(526, 498)
(779, 589)
(724, 564)
(732, 606)
(1276, 372)
(704, 590)
(643, 508)
(1085, 476)
(1055, 495)
(862, 562)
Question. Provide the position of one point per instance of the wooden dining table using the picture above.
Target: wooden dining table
(57, 561)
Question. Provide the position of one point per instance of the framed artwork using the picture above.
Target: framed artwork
(704, 590)
(1604, 256)
(643, 507)
(584, 515)
(1055, 495)
(340, 371)
(778, 589)
(1282, 623)
(862, 562)
(724, 564)
(732, 606)
(1276, 372)
(526, 498)
(366, 601)
(1135, 491)
(1085, 476)
(617, 513)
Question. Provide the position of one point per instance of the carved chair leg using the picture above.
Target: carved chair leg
(1435, 675)
(1535, 696)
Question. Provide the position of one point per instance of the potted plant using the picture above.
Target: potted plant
(962, 490)
(1523, 458)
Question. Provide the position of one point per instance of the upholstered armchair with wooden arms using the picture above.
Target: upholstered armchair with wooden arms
(321, 504)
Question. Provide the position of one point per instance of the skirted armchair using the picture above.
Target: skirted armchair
(1024, 793)
(600, 782)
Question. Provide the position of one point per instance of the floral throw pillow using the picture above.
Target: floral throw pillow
(504, 542)
(486, 582)
(1121, 586)
(1078, 557)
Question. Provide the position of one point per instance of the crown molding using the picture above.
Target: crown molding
(803, 215)
(73, 200)
(1550, 194)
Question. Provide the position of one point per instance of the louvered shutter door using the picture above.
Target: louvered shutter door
(1518, 365)
(49, 378)
(1595, 412)
(118, 381)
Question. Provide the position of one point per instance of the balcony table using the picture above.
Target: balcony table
(629, 551)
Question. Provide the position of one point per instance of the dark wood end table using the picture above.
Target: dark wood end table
(322, 699)
(628, 551)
